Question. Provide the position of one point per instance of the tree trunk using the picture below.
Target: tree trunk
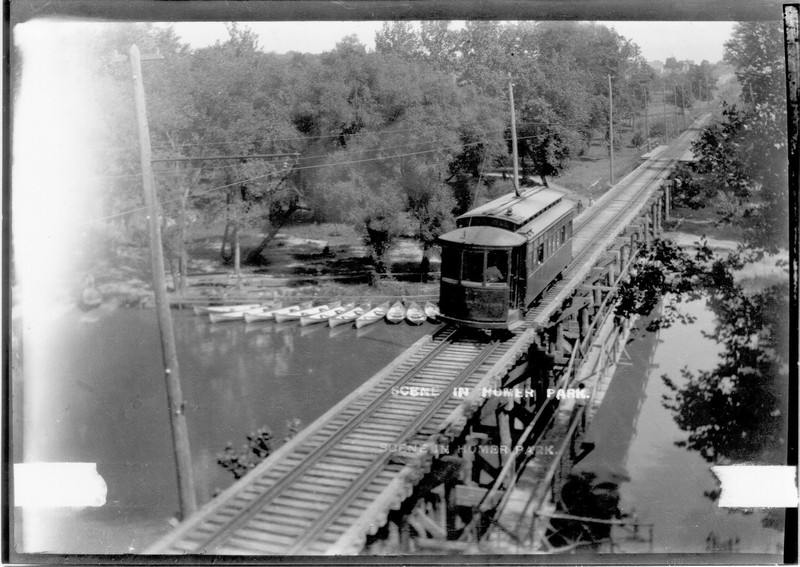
(237, 258)
(226, 256)
(183, 268)
(425, 264)
(183, 253)
(254, 255)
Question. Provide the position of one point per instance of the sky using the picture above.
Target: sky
(658, 40)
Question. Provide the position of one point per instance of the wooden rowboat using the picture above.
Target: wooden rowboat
(226, 317)
(373, 315)
(296, 315)
(396, 313)
(290, 309)
(325, 315)
(262, 314)
(349, 316)
(202, 310)
(415, 314)
(432, 311)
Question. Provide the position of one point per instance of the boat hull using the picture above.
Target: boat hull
(372, 316)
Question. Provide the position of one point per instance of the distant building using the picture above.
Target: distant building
(657, 66)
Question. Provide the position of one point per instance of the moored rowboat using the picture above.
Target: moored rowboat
(374, 314)
(225, 317)
(295, 315)
(262, 314)
(349, 316)
(202, 310)
(325, 315)
(396, 313)
(415, 314)
(290, 309)
(432, 311)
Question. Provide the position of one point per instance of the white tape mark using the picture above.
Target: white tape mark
(752, 486)
(58, 485)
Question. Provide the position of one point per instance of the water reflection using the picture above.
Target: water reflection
(638, 471)
(592, 487)
(94, 392)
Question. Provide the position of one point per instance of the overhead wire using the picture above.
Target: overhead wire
(364, 150)
(293, 169)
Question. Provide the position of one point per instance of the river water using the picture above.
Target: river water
(636, 435)
(93, 392)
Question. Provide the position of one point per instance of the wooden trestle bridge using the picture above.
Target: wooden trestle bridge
(389, 471)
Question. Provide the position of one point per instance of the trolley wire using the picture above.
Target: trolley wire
(290, 170)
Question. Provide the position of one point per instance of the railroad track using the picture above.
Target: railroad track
(597, 223)
(308, 498)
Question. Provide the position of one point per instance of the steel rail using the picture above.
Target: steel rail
(340, 503)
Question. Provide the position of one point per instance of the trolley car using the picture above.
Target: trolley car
(502, 256)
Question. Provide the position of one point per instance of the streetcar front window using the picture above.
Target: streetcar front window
(496, 266)
(473, 267)
(451, 263)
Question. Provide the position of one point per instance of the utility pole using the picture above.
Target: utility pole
(646, 118)
(664, 102)
(677, 124)
(791, 35)
(513, 136)
(683, 106)
(177, 419)
(611, 131)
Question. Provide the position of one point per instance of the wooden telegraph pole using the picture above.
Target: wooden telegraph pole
(514, 157)
(664, 102)
(177, 419)
(677, 124)
(683, 106)
(646, 118)
(611, 131)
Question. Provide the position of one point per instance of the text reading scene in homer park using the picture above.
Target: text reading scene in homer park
(416, 288)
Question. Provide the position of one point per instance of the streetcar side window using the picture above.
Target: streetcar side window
(563, 234)
(451, 263)
(473, 267)
(541, 253)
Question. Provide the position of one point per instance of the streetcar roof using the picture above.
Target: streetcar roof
(517, 210)
(542, 222)
(488, 236)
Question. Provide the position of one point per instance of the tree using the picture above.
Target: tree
(239, 103)
(398, 38)
(756, 51)
(375, 211)
(430, 206)
(743, 159)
